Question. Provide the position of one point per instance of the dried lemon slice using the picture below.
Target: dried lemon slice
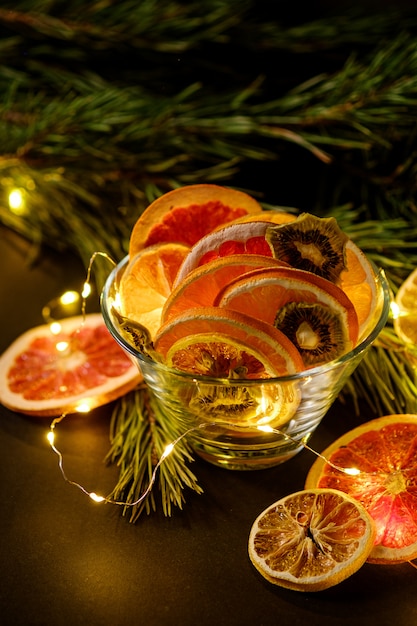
(311, 540)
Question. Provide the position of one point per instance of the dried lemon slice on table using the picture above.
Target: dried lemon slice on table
(311, 540)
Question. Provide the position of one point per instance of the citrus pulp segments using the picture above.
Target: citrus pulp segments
(188, 213)
(311, 540)
(385, 451)
(201, 286)
(97, 371)
(405, 323)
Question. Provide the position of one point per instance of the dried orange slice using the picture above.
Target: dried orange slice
(358, 281)
(147, 283)
(381, 457)
(405, 319)
(315, 314)
(311, 540)
(201, 286)
(186, 214)
(46, 374)
(226, 344)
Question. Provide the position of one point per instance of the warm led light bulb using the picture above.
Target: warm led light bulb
(83, 407)
(17, 202)
(51, 437)
(86, 290)
(69, 297)
(95, 497)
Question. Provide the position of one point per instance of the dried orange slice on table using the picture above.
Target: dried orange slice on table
(382, 459)
(42, 373)
(311, 540)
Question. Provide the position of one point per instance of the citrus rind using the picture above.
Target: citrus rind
(111, 376)
(311, 540)
(385, 484)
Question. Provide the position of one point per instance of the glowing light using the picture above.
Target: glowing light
(352, 471)
(84, 407)
(55, 328)
(265, 429)
(95, 497)
(395, 310)
(69, 297)
(86, 290)
(51, 437)
(17, 203)
(62, 346)
(167, 450)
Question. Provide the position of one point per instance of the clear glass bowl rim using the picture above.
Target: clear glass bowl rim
(314, 371)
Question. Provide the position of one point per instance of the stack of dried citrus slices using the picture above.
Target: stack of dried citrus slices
(210, 273)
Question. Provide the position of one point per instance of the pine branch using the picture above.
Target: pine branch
(139, 434)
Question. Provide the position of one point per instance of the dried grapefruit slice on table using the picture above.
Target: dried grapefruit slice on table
(147, 282)
(188, 213)
(48, 374)
(311, 540)
(315, 314)
(382, 459)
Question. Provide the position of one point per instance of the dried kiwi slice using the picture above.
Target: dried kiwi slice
(318, 332)
(314, 244)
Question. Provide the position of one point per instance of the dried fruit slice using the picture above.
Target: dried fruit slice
(42, 373)
(310, 243)
(226, 344)
(147, 282)
(315, 314)
(383, 456)
(311, 540)
(186, 214)
(358, 281)
(201, 286)
(405, 322)
(245, 238)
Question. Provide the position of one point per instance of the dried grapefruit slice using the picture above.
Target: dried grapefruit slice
(315, 314)
(47, 374)
(384, 451)
(245, 238)
(188, 213)
(201, 286)
(147, 282)
(405, 322)
(226, 344)
(311, 540)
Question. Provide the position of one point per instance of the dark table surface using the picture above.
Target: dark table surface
(66, 560)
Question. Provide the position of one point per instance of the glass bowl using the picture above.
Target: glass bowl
(243, 424)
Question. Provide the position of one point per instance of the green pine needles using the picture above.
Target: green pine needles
(108, 104)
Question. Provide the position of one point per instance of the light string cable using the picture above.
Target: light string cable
(167, 451)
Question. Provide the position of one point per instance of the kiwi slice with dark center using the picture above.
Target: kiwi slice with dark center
(316, 331)
(314, 244)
